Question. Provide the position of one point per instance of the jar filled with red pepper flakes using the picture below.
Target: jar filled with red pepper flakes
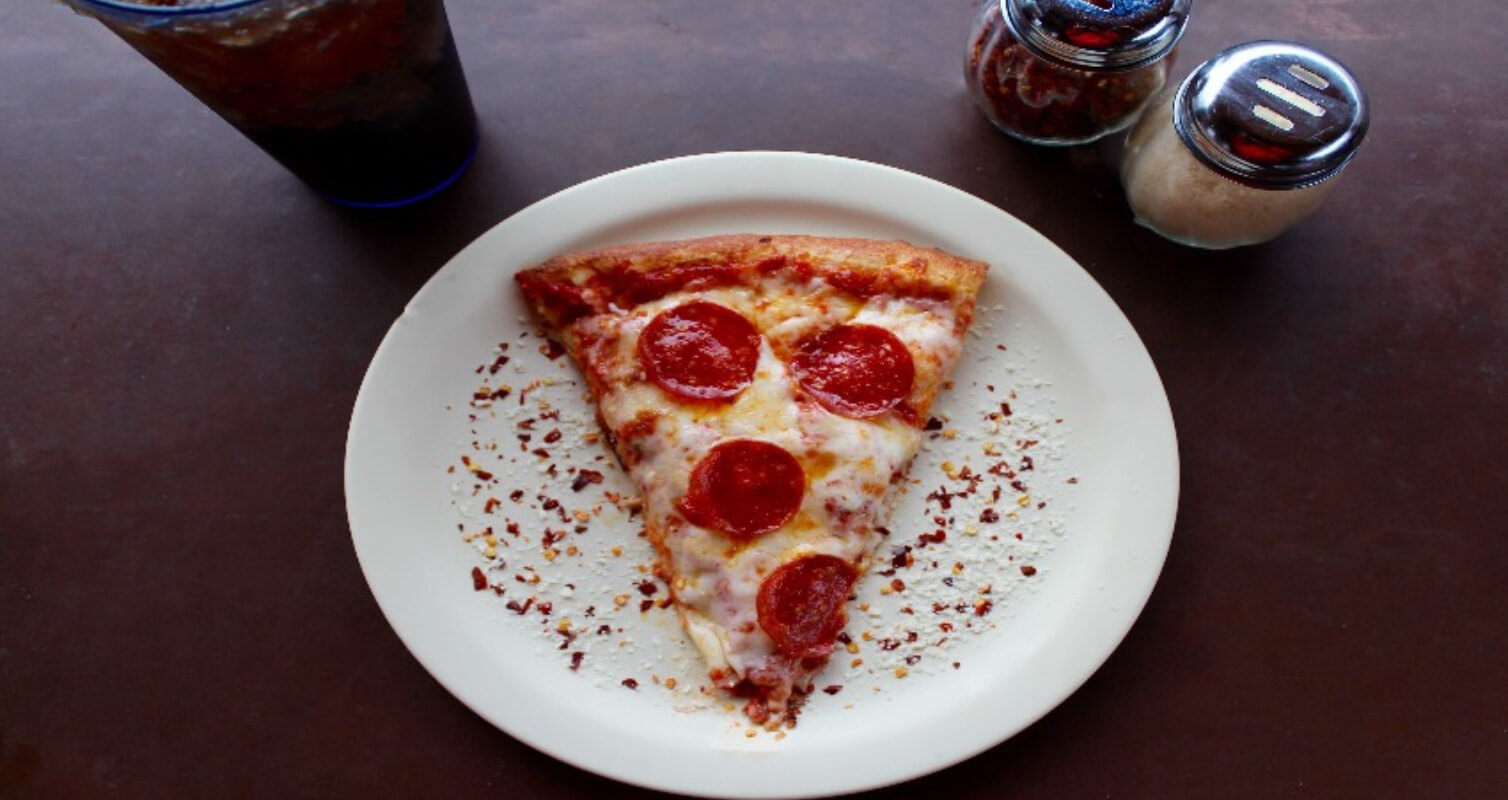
(1063, 72)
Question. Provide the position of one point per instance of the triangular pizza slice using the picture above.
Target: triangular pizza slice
(767, 394)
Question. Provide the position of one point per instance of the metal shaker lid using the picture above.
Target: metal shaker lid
(1098, 34)
(1273, 115)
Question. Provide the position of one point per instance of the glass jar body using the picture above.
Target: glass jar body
(1174, 194)
(1043, 102)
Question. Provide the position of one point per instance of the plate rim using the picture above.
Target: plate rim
(1124, 618)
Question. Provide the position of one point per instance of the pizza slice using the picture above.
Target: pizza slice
(767, 394)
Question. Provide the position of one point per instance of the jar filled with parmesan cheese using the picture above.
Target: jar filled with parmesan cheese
(1246, 147)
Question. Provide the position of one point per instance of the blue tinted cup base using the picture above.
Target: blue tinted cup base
(424, 195)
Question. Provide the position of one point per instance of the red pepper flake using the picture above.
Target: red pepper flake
(647, 588)
(553, 436)
(834, 689)
(983, 607)
(947, 627)
(933, 424)
(646, 605)
(901, 556)
(1018, 486)
(526, 424)
(541, 452)
(512, 527)
(550, 503)
(912, 659)
(478, 579)
(1028, 570)
(897, 585)
(942, 497)
(584, 478)
(911, 636)
(472, 467)
(516, 495)
(576, 658)
(936, 537)
(844, 638)
(888, 644)
(551, 349)
(1027, 463)
(491, 505)
(513, 605)
(631, 683)
(497, 364)
(989, 515)
(1005, 409)
(1073, 480)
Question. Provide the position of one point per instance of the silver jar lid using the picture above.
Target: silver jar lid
(1097, 34)
(1273, 115)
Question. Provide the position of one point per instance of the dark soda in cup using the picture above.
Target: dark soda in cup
(364, 100)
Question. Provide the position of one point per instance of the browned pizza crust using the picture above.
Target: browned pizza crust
(868, 265)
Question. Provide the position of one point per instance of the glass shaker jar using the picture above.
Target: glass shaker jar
(1246, 147)
(1062, 72)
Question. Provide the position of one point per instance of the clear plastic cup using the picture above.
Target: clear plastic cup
(364, 100)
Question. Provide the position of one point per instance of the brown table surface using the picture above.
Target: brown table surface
(183, 328)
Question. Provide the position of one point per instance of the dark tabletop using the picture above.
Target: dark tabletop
(183, 329)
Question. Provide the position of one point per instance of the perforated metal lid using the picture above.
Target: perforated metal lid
(1274, 115)
(1098, 34)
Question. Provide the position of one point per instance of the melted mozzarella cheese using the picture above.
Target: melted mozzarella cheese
(851, 465)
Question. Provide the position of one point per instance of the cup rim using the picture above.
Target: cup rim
(169, 11)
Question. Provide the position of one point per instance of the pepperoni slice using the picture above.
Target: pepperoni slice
(801, 604)
(744, 488)
(700, 351)
(858, 371)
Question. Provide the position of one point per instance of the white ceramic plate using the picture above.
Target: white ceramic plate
(1080, 349)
